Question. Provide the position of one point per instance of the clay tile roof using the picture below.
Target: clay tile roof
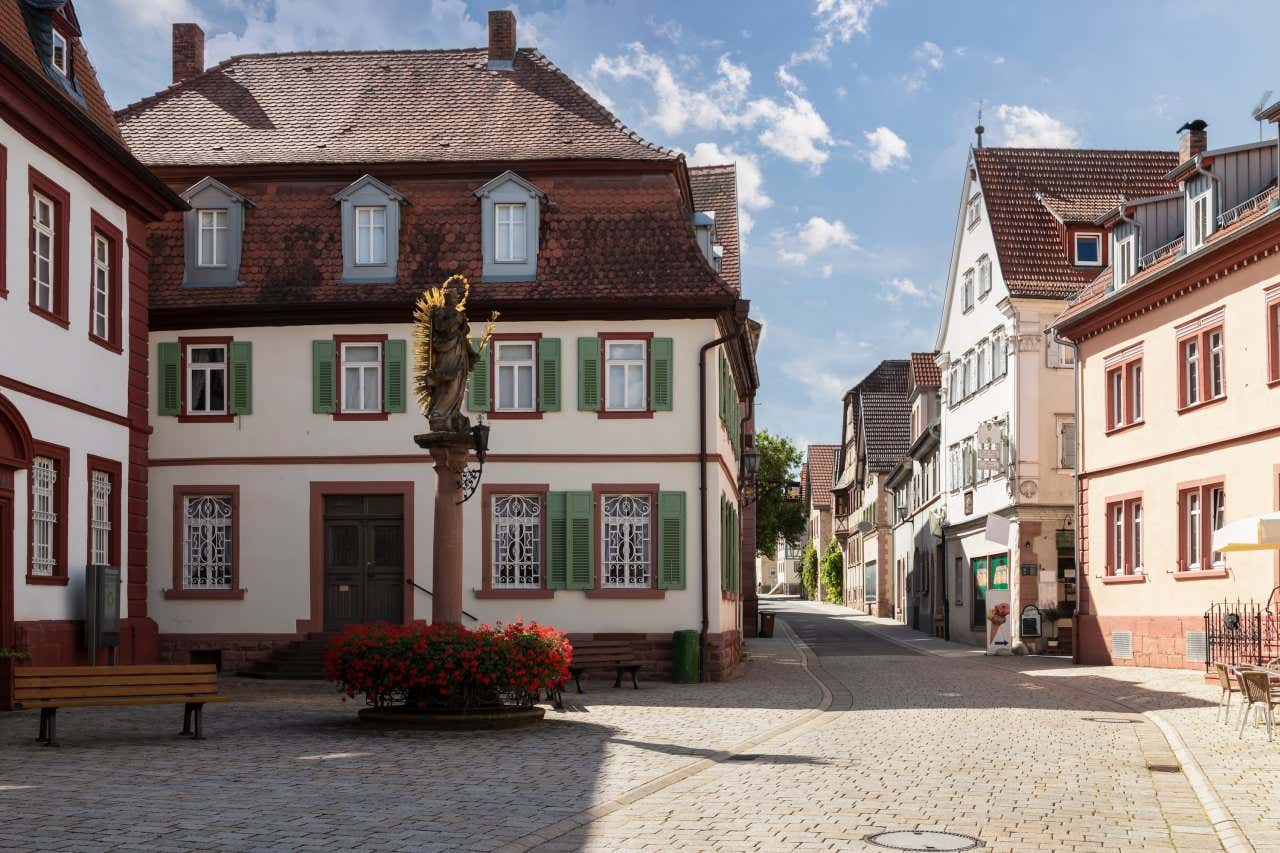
(886, 429)
(377, 107)
(1024, 187)
(715, 188)
(820, 469)
(16, 40)
(924, 370)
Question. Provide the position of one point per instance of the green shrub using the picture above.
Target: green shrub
(809, 571)
(833, 573)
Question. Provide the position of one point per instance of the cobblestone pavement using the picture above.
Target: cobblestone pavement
(1025, 754)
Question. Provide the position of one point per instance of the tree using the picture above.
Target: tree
(833, 573)
(777, 519)
(809, 570)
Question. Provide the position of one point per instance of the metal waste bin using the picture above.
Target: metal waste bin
(684, 657)
(766, 623)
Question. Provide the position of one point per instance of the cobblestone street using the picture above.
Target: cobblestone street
(812, 747)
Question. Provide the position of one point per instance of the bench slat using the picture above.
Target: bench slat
(109, 691)
(96, 681)
(141, 669)
(141, 700)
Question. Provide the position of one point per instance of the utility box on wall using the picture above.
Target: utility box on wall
(101, 610)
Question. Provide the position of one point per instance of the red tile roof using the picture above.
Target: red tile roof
(377, 107)
(924, 370)
(15, 38)
(821, 469)
(1024, 188)
(627, 237)
(715, 188)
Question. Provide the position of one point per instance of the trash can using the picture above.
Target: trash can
(766, 623)
(684, 657)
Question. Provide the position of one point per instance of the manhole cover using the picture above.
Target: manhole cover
(903, 839)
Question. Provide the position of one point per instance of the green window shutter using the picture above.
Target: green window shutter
(671, 534)
(724, 543)
(241, 364)
(588, 374)
(393, 376)
(169, 395)
(735, 565)
(322, 378)
(661, 366)
(478, 382)
(557, 542)
(580, 519)
(549, 374)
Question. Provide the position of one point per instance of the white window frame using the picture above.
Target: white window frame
(1195, 531)
(63, 68)
(628, 365)
(1217, 518)
(626, 563)
(1123, 266)
(45, 288)
(208, 552)
(99, 518)
(212, 221)
(1191, 370)
(44, 516)
(973, 213)
(377, 231)
(968, 300)
(208, 368)
(100, 318)
(516, 367)
(1115, 393)
(984, 371)
(1201, 225)
(516, 541)
(1135, 520)
(984, 276)
(1094, 237)
(1117, 538)
(1217, 365)
(510, 256)
(999, 354)
(364, 368)
(1135, 390)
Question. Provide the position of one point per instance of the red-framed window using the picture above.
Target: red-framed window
(361, 363)
(47, 490)
(106, 301)
(1273, 336)
(1202, 508)
(206, 379)
(624, 377)
(206, 543)
(626, 533)
(4, 217)
(516, 365)
(49, 222)
(515, 541)
(1202, 362)
(1125, 527)
(105, 481)
(1125, 393)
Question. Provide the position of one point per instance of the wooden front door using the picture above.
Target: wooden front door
(363, 560)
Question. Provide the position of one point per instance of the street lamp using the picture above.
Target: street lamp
(469, 478)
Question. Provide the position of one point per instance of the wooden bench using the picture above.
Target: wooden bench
(52, 687)
(602, 654)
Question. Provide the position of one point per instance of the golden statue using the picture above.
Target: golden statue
(443, 354)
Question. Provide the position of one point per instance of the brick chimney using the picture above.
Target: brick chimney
(188, 51)
(502, 39)
(1193, 138)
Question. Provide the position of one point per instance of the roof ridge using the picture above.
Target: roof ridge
(1079, 150)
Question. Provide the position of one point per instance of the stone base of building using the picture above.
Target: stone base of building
(1157, 641)
(60, 642)
(724, 654)
(230, 652)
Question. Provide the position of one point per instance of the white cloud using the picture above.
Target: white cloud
(791, 128)
(751, 192)
(930, 54)
(826, 270)
(838, 22)
(669, 29)
(885, 149)
(814, 237)
(157, 14)
(1026, 127)
(928, 57)
(788, 80)
(999, 60)
(898, 289)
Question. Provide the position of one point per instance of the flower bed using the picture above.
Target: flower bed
(448, 667)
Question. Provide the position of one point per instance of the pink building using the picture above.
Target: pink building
(1178, 394)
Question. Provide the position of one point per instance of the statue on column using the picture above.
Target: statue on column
(444, 355)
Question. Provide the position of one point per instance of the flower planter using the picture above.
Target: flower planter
(487, 719)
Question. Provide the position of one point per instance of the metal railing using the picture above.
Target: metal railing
(1249, 206)
(1242, 633)
(410, 582)
(1160, 252)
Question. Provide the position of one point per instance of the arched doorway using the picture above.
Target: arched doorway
(15, 455)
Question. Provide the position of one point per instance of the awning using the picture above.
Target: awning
(1258, 533)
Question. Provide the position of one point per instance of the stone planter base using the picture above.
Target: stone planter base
(498, 718)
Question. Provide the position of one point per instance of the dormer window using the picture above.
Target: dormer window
(212, 251)
(59, 56)
(370, 215)
(1088, 250)
(1201, 224)
(510, 216)
(1126, 255)
(213, 234)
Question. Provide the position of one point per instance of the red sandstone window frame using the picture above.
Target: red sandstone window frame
(1204, 366)
(115, 471)
(61, 457)
(535, 338)
(4, 211)
(1132, 518)
(39, 183)
(1207, 568)
(178, 591)
(624, 337)
(1273, 337)
(598, 491)
(100, 227)
(487, 590)
(1132, 411)
(184, 344)
(338, 342)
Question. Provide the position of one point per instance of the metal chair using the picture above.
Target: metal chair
(1258, 697)
(1229, 687)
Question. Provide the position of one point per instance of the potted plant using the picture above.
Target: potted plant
(9, 658)
(1049, 616)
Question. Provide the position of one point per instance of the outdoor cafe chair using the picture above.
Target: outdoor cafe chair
(1258, 698)
(1229, 687)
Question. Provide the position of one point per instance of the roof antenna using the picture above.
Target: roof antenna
(1259, 107)
(980, 129)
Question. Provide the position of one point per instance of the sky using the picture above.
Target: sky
(850, 122)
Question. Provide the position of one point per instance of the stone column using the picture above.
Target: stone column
(446, 550)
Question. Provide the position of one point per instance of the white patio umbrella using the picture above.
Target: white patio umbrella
(1256, 533)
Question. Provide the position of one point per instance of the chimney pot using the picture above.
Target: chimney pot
(502, 39)
(1193, 138)
(188, 51)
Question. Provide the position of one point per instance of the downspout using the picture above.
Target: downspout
(1075, 491)
(702, 497)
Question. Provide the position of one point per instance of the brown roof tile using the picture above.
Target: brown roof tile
(377, 107)
(924, 370)
(715, 188)
(1025, 187)
(821, 469)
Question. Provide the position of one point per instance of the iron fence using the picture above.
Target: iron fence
(1242, 632)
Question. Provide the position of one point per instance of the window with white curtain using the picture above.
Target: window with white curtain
(625, 541)
(361, 378)
(517, 542)
(515, 362)
(212, 238)
(625, 380)
(207, 380)
(510, 233)
(371, 235)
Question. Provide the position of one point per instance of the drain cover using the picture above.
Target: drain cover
(920, 840)
(1164, 768)
(1114, 720)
